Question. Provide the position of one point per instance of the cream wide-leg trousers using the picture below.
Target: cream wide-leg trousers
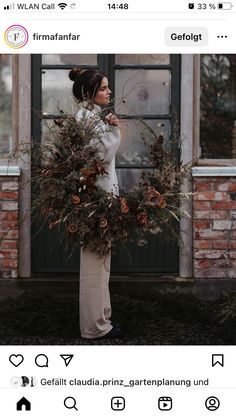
(95, 304)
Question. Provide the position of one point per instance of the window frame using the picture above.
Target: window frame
(107, 64)
(196, 126)
(15, 83)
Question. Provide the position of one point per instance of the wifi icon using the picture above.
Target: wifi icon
(62, 5)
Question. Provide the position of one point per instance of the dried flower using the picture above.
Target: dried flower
(87, 172)
(47, 172)
(162, 203)
(75, 199)
(142, 218)
(124, 205)
(74, 176)
(154, 197)
(72, 228)
(103, 222)
(141, 242)
(53, 223)
(125, 235)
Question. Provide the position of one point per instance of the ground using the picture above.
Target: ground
(39, 314)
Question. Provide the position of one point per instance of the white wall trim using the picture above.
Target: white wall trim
(187, 124)
(22, 109)
(10, 171)
(214, 171)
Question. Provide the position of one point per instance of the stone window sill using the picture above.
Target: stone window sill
(9, 171)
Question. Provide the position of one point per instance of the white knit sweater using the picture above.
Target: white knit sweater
(107, 141)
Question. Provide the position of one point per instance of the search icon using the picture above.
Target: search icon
(70, 403)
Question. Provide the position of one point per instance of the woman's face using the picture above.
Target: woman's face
(102, 96)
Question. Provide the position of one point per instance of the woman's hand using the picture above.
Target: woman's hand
(111, 119)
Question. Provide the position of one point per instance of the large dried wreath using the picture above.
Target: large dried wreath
(68, 198)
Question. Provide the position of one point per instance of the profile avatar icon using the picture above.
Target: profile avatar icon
(24, 381)
(212, 403)
(16, 36)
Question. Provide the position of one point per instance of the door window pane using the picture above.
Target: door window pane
(47, 127)
(5, 104)
(132, 150)
(69, 59)
(140, 92)
(142, 59)
(218, 106)
(57, 92)
(128, 179)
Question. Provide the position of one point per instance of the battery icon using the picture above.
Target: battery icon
(226, 5)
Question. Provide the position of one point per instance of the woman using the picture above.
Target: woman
(91, 89)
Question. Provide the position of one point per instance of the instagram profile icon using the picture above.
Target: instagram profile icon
(16, 36)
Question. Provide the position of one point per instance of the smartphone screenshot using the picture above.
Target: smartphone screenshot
(117, 209)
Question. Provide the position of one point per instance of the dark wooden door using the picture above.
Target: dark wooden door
(146, 88)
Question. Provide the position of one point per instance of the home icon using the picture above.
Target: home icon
(23, 404)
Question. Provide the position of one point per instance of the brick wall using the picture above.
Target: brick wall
(9, 186)
(214, 223)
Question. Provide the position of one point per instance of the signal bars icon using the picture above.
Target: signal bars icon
(9, 7)
(62, 5)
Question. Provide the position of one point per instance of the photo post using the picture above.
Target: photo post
(117, 208)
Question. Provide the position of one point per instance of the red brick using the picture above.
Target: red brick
(203, 186)
(7, 225)
(232, 273)
(201, 225)
(224, 205)
(222, 225)
(227, 187)
(10, 186)
(232, 187)
(10, 273)
(9, 195)
(8, 254)
(202, 205)
(211, 196)
(210, 235)
(12, 234)
(221, 244)
(221, 186)
(9, 263)
(211, 215)
(202, 263)
(210, 273)
(221, 263)
(200, 179)
(209, 254)
(203, 244)
(10, 205)
(9, 244)
(232, 254)
(9, 215)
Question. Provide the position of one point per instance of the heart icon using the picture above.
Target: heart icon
(16, 360)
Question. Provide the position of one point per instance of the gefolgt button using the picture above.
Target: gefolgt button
(186, 37)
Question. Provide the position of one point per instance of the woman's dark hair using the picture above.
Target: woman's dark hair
(86, 82)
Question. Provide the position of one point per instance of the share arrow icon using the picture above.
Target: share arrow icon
(67, 359)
